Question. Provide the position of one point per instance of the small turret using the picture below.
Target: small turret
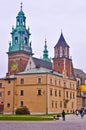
(45, 53)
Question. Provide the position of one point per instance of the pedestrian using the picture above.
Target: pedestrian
(63, 115)
(82, 114)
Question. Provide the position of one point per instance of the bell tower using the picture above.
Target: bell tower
(20, 47)
(62, 62)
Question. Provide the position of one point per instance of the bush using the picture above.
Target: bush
(58, 115)
(22, 111)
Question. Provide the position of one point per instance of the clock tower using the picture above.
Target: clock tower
(20, 47)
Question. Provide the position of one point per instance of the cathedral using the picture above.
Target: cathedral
(42, 85)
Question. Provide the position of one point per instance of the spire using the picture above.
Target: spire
(45, 52)
(61, 41)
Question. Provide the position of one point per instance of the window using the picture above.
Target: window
(21, 103)
(9, 81)
(22, 81)
(67, 94)
(51, 92)
(65, 105)
(8, 92)
(64, 84)
(50, 81)
(8, 104)
(59, 83)
(55, 82)
(16, 40)
(58, 52)
(25, 40)
(58, 64)
(70, 95)
(56, 104)
(55, 92)
(39, 92)
(0, 85)
(52, 104)
(60, 104)
(59, 93)
(22, 92)
(39, 80)
(0, 94)
(73, 95)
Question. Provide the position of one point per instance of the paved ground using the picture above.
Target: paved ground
(72, 122)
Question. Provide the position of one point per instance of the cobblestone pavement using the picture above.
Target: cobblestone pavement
(72, 122)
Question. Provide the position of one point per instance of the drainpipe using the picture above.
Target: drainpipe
(46, 93)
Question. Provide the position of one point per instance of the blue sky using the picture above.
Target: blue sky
(46, 18)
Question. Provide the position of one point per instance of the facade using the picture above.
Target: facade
(39, 84)
(41, 90)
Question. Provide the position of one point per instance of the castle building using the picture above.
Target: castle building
(39, 84)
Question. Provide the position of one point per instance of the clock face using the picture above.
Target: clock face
(14, 66)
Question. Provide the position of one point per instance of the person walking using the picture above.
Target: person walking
(82, 114)
(63, 115)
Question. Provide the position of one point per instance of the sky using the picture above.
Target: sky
(46, 19)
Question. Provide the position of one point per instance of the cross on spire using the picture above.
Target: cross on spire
(21, 5)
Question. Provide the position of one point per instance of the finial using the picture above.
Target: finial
(61, 30)
(21, 6)
(45, 40)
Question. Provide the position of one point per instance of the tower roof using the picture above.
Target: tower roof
(45, 52)
(61, 41)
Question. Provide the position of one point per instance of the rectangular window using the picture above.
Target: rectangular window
(55, 92)
(21, 103)
(0, 85)
(67, 94)
(55, 104)
(50, 81)
(65, 105)
(73, 95)
(8, 104)
(0, 94)
(21, 92)
(22, 81)
(70, 95)
(8, 92)
(39, 92)
(51, 93)
(64, 84)
(9, 81)
(39, 80)
(52, 104)
(59, 93)
(60, 104)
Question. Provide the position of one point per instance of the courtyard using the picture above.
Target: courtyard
(72, 122)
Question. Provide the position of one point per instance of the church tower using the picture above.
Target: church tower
(62, 62)
(20, 47)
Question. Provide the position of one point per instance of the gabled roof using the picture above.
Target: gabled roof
(61, 41)
(42, 63)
